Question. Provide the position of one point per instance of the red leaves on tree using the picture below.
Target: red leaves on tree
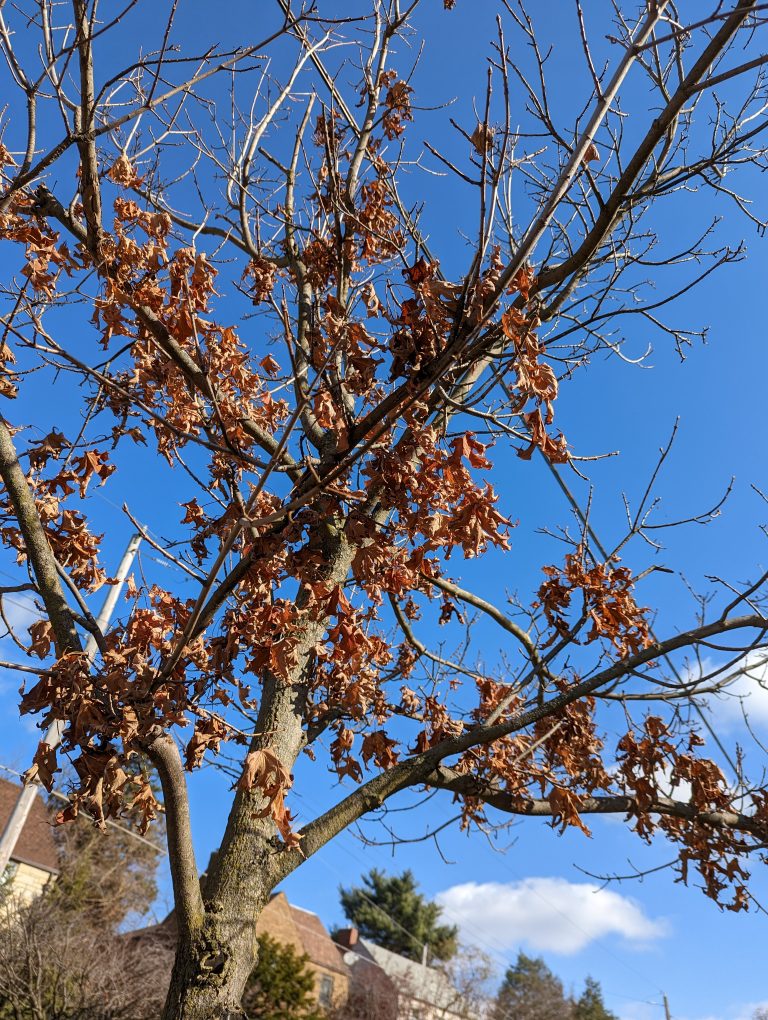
(44, 766)
(397, 102)
(654, 765)
(207, 736)
(379, 747)
(123, 173)
(259, 277)
(41, 638)
(376, 362)
(565, 806)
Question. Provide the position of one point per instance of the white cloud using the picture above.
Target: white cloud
(682, 791)
(546, 914)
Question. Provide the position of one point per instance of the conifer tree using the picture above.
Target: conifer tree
(530, 991)
(590, 1005)
(389, 910)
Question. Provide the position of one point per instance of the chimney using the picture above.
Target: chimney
(346, 937)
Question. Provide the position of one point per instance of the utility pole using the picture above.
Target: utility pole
(26, 798)
(667, 1014)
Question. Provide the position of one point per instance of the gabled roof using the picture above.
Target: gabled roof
(318, 944)
(36, 845)
(424, 984)
(309, 932)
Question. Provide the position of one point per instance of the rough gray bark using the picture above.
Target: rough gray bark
(217, 953)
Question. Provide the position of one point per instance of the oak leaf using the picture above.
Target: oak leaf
(44, 766)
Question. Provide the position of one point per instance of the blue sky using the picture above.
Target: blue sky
(640, 938)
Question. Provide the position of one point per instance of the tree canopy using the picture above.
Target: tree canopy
(389, 910)
(239, 300)
(530, 991)
(590, 1005)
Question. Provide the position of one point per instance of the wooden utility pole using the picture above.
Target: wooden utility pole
(667, 1014)
(20, 813)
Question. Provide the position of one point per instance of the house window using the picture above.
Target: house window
(326, 990)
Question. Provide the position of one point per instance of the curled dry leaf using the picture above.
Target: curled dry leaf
(263, 772)
(482, 139)
(44, 766)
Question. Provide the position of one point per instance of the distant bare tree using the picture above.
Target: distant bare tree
(471, 973)
(55, 967)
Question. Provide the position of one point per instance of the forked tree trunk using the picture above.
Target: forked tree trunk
(214, 958)
(213, 963)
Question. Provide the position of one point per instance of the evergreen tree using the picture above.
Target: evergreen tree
(530, 991)
(590, 1005)
(281, 986)
(389, 911)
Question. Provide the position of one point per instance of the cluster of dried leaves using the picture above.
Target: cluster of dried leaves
(335, 479)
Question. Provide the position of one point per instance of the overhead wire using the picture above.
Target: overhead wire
(502, 954)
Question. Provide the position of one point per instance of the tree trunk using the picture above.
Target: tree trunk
(214, 961)
(208, 979)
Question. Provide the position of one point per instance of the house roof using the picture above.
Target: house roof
(369, 980)
(36, 845)
(317, 943)
(424, 984)
(165, 932)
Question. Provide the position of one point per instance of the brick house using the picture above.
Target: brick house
(34, 862)
(304, 930)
